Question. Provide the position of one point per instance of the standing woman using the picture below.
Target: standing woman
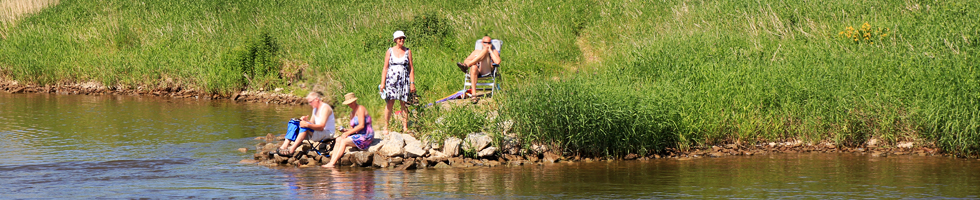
(397, 79)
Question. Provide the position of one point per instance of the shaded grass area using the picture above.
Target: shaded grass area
(593, 77)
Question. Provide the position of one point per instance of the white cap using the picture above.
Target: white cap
(397, 35)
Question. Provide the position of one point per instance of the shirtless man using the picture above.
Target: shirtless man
(480, 62)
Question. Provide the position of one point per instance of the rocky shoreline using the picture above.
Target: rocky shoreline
(403, 151)
(164, 90)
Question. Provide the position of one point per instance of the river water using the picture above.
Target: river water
(72, 146)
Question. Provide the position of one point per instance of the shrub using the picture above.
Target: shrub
(255, 63)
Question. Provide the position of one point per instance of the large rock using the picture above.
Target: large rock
(413, 147)
(451, 147)
(441, 165)
(550, 157)
(393, 145)
(345, 160)
(487, 152)
(476, 141)
(270, 147)
(395, 160)
(407, 165)
(380, 161)
(361, 158)
(377, 143)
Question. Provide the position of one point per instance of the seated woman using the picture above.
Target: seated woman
(322, 124)
(359, 135)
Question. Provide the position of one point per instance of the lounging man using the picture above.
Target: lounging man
(322, 124)
(360, 135)
(480, 62)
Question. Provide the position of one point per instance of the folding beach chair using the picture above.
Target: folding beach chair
(486, 81)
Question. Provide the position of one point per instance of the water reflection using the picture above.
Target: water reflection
(330, 183)
(41, 127)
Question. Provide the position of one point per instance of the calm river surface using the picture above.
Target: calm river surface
(70, 146)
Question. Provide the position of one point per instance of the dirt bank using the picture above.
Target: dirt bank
(165, 90)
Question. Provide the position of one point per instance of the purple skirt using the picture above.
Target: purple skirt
(363, 140)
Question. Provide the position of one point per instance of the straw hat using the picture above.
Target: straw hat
(349, 98)
(397, 35)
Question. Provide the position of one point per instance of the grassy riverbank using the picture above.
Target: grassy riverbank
(600, 78)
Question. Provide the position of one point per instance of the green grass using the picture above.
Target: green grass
(594, 77)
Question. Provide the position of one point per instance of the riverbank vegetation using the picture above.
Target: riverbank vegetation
(588, 77)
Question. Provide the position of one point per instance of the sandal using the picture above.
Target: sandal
(277, 152)
(462, 67)
(475, 100)
(282, 153)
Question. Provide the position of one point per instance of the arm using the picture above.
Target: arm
(325, 111)
(384, 70)
(411, 72)
(494, 56)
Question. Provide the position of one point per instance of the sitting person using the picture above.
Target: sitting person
(360, 135)
(321, 126)
(480, 62)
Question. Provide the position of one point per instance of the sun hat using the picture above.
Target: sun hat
(349, 98)
(397, 35)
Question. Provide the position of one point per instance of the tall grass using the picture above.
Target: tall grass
(598, 77)
(768, 71)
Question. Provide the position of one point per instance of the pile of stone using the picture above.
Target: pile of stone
(394, 150)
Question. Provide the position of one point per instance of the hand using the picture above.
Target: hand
(304, 124)
(382, 88)
(411, 87)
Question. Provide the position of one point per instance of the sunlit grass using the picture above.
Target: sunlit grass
(598, 77)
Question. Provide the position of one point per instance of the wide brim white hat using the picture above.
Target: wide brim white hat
(397, 35)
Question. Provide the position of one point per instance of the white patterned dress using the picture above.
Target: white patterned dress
(396, 83)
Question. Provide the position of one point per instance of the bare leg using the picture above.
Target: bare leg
(475, 57)
(285, 143)
(299, 138)
(474, 72)
(388, 108)
(404, 117)
(340, 146)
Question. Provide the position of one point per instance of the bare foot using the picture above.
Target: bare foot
(327, 166)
